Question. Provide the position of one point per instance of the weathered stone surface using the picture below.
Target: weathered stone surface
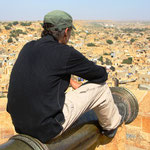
(3, 102)
(138, 132)
(137, 122)
(6, 127)
(145, 103)
(146, 124)
(117, 143)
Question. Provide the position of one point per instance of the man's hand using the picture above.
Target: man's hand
(74, 84)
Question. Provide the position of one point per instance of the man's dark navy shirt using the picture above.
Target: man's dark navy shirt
(38, 83)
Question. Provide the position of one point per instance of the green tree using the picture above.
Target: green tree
(106, 53)
(108, 62)
(31, 29)
(132, 40)
(9, 24)
(25, 23)
(101, 58)
(91, 44)
(10, 40)
(7, 27)
(134, 30)
(16, 33)
(15, 23)
(109, 41)
(127, 61)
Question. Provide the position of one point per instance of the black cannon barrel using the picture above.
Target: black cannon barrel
(82, 135)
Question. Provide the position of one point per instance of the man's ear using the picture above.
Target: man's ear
(66, 31)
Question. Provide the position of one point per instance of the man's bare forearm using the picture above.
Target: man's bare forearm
(74, 84)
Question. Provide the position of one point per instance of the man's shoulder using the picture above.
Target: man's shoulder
(30, 43)
(65, 48)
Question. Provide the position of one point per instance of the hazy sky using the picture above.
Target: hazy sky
(79, 9)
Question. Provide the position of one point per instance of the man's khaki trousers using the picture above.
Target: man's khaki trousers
(91, 96)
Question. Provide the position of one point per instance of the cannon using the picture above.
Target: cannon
(82, 135)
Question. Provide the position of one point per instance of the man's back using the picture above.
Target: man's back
(38, 83)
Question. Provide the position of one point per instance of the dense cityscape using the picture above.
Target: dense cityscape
(122, 47)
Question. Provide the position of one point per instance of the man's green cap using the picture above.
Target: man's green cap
(59, 19)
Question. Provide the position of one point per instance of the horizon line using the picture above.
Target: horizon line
(130, 20)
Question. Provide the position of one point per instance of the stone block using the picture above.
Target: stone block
(144, 105)
(117, 143)
(6, 127)
(137, 138)
(3, 103)
(146, 123)
(137, 122)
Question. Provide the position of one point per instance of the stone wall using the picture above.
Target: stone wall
(138, 132)
(6, 127)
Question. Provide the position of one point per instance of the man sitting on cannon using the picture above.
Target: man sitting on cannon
(37, 101)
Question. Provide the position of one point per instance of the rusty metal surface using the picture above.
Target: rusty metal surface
(15, 145)
(32, 142)
(123, 94)
(23, 142)
(82, 137)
